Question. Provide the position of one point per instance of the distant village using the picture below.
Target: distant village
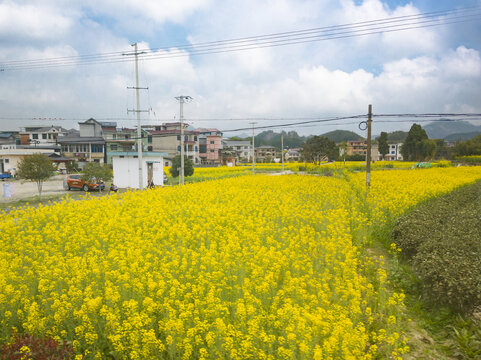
(98, 141)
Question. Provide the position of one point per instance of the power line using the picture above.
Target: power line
(328, 121)
(364, 28)
(467, 116)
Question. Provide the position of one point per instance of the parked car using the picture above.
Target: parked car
(4, 176)
(74, 181)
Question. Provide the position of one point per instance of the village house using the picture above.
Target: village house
(86, 146)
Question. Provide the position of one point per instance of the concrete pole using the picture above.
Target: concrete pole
(181, 101)
(139, 129)
(282, 151)
(253, 151)
(368, 154)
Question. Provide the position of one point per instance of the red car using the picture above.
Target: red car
(74, 181)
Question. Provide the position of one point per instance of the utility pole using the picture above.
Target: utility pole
(368, 155)
(182, 99)
(138, 111)
(282, 151)
(253, 151)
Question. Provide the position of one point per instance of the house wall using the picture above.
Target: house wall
(356, 147)
(213, 145)
(170, 145)
(90, 129)
(83, 152)
(126, 171)
(10, 157)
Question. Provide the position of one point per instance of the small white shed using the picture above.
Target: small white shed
(126, 169)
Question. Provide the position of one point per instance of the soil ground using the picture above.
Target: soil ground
(21, 189)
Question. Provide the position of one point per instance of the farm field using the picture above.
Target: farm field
(258, 267)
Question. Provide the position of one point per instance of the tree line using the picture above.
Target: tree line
(416, 147)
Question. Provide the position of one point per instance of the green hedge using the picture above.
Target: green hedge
(442, 239)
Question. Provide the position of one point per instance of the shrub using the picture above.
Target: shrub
(442, 237)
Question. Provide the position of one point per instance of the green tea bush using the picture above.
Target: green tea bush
(442, 239)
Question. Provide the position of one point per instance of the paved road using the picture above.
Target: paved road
(25, 189)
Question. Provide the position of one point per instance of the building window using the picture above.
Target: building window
(211, 150)
(113, 147)
(7, 161)
(114, 136)
(96, 148)
(178, 137)
(196, 149)
(35, 136)
(186, 138)
(178, 148)
(149, 148)
(195, 138)
(149, 139)
(127, 137)
(212, 142)
(44, 136)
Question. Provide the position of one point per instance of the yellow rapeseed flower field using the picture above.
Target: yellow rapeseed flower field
(253, 267)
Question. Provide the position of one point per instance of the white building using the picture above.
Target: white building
(394, 152)
(12, 155)
(39, 136)
(126, 169)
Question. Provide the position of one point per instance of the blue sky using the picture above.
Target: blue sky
(435, 69)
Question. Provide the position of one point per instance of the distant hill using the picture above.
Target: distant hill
(462, 136)
(447, 127)
(395, 136)
(342, 135)
(271, 138)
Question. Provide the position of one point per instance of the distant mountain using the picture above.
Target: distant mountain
(395, 136)
(342, 135)
(462, 136)
(240, 137)
(447, 127)
(271, 138)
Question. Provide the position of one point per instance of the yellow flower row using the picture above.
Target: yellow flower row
(262, 267)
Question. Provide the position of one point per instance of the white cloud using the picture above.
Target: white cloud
(425, 84)
(398, 72)
(158, 11)
(31, 21)
(389, 45)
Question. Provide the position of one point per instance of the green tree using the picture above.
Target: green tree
(469, 147)
(95, 172)
(188, 166)
(318, 147)
(417, 146)
(38, 168)
(383, 145)
(72, 166)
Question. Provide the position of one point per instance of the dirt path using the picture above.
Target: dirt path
(20, 189)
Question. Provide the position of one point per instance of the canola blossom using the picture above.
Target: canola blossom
(253, 267)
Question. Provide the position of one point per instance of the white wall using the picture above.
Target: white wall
(126, 171)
